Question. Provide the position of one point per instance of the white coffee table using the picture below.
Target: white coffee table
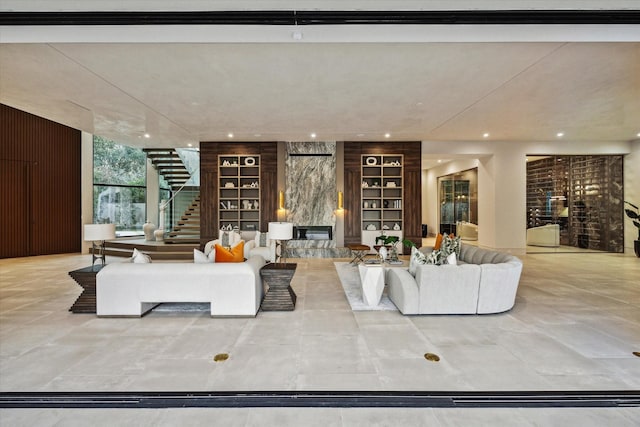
(372, 278)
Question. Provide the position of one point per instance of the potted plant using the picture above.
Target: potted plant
(388, 242)
(634, 215)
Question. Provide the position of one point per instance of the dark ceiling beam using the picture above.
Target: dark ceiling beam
(457, 17)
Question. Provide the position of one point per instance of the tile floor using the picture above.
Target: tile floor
(575, 325)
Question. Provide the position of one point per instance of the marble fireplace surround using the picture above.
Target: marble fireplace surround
(311, 197)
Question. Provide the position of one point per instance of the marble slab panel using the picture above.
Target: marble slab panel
(311, 183)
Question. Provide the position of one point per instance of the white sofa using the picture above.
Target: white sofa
(546, 235)
(467, 230)
(130, 289)
(251, 246)
(483, 282)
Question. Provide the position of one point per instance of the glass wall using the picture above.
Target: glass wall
(119, 186)
(583, 195)
(458, 195)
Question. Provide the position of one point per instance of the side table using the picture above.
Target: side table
(280, 296)
(85, 277)
(372, 279)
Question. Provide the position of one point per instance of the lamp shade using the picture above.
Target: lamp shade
(96, 232)
(281, 230)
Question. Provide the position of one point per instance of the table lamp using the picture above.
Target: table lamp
(99, 233)
(281, 232)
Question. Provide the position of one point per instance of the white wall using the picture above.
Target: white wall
(86, 186)
(631, 192)
(502, 182)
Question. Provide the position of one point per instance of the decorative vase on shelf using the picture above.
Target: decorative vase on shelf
(374, 205)
(159, 234)
(366, 205)
(148, 228)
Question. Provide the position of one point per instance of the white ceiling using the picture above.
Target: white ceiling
(265, 89)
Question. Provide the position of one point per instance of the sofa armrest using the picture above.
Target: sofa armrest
(403, 290)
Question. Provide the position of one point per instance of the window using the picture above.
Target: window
(119, 186)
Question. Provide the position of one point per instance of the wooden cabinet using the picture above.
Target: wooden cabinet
(239, 192)
(382, 196)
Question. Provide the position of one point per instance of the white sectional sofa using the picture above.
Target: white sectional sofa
(483, 282)
(130, 289)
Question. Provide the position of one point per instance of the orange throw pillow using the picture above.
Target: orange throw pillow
(438, 242)
(236, 254)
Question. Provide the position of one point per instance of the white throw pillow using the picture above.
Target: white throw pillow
(262, 240)
(200, 258)
(140, 258)
(416, 259)
(451, 259)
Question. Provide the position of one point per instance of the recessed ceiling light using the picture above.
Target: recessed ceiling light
(638, 134)
(387, 135)
(257, 135)
(313, 135)
(189, 145)
(439, 161)
(229, 135)
(485, 135)
(361, 135)
(146, 135)
(560, 134)
(296, 35)
(419, 104)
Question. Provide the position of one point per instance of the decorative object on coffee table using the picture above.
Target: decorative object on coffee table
(99, 233)
(86, 278)
(280, 296)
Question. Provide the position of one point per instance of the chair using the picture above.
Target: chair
(467, 230)
(234, 239)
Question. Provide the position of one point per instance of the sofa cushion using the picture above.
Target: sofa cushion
(236, 254)
(200, 257)
(438, 242)
(262, 239)
(140, 258)
(229, 238)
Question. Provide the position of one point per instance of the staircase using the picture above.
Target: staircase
(168, 164)
(187, 229)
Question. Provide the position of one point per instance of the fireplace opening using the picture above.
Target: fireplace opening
(313, 232)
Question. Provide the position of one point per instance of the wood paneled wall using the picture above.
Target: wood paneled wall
(209, 152)
(411, 187)
(40, 193)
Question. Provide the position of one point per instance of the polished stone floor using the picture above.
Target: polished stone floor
(575, 326)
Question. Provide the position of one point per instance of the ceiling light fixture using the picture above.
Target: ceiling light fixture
(146, 135)
(638, 134)
(189, 145)
(439, 161)
(485, 135)
(230, 135)
(387, 135)
(296, 35)
(560, 134)
(361, 135)
(313, 135)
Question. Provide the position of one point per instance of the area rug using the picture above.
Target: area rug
(350, 280)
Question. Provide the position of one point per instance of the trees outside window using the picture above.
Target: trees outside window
(119, 186)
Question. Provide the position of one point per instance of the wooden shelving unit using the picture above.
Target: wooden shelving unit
(239, 192)
(382, 196)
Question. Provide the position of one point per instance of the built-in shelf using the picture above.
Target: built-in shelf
(381, 196)
(239, 192)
